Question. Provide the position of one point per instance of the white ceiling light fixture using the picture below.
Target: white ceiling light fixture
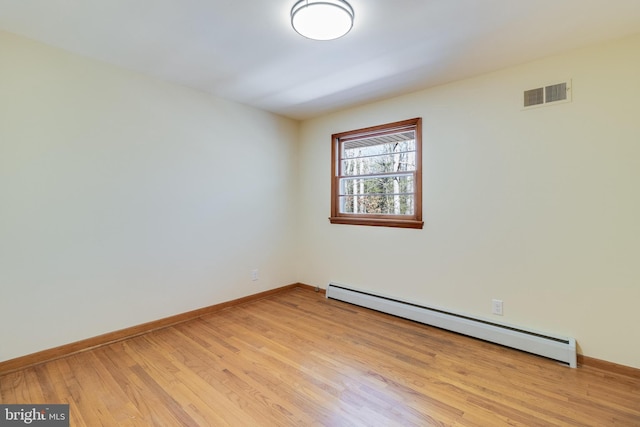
(322, 19)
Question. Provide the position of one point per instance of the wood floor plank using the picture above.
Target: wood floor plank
(235, 371)
(343, 365)
(295, 358)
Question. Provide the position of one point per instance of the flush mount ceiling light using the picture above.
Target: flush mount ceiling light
(322, 19)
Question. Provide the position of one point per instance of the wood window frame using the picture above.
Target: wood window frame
(387, 220)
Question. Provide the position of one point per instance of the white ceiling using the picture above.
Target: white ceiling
(247, 51)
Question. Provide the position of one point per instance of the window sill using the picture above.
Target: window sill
(378, 222)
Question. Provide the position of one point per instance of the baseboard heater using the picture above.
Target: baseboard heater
(553, 347)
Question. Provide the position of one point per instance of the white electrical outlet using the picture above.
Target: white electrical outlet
(254, 274)
(496, 306)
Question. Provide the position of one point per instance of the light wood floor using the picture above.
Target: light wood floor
(298, 359)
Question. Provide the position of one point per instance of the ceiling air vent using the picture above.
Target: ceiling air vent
(556, 93)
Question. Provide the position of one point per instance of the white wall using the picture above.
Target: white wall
(122, 200)
(125, 199)
(539, 208)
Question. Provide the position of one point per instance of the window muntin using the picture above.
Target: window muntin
(376, 176)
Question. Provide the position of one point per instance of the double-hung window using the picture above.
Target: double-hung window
(376, 175)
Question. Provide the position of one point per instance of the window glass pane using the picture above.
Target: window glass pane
(400, 162)
(349, 150)
(392, 194)
(389, 184)
(389, 138)
(378, 204)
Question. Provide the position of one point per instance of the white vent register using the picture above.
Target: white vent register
(554, 347)
(552, 94)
